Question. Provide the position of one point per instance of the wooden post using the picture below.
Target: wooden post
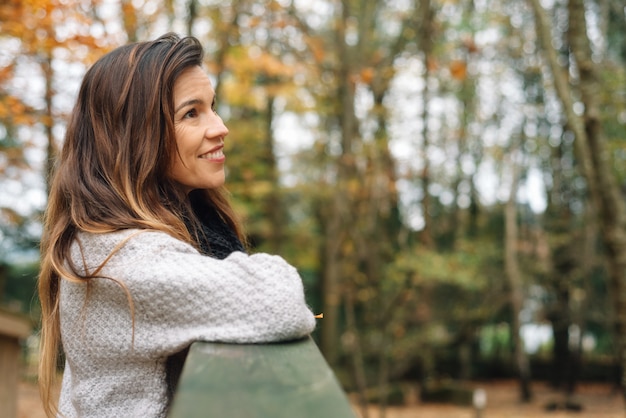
(13, 328)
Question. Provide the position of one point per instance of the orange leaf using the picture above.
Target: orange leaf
(458, 69)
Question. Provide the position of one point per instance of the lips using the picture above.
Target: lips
(213, 155)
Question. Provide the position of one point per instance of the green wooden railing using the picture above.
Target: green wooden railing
(258, 381)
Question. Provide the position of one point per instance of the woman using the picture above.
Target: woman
(142, 253)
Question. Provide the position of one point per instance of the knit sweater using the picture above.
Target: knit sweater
(117, 365)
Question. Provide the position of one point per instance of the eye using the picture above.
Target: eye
(192, 113)
(214, 106)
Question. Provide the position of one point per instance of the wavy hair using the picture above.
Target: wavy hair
(112, 173)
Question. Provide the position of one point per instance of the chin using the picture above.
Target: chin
(213, 185)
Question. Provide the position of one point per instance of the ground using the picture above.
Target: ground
(597, 400)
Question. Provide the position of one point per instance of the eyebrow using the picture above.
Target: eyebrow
(188, 103)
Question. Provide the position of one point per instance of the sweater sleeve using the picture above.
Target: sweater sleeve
(179, 296)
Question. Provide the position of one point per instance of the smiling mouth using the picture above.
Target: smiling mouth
(215, 155)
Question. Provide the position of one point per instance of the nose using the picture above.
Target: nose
(215, 127)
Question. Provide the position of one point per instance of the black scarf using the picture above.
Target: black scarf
(215, 237)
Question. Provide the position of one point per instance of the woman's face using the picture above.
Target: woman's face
(199, 131)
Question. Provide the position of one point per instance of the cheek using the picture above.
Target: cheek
(179, 136)
(179, 161)
(187, 141)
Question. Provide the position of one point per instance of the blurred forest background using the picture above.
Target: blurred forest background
(448, 175)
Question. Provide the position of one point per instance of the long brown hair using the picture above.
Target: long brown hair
(112, 173)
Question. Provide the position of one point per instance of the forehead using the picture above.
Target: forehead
(193, 81)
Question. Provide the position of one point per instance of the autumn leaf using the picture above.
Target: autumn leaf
(458, 69)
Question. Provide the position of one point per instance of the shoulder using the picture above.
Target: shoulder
(130, 238)
(131, 253)
(95, 248)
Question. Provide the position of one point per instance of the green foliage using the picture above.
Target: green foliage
(18, 283)
(495, 340)
(363, 84)
(460, 268)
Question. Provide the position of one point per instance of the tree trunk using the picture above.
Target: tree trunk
(338, 217)
(515, 281)
(356, 353)
(426, 45)
(129, 19)
(225, 33)
(592, 152)
(192, 14)
(330, 289)
(51, 146)
(274, 203)
(611, 209)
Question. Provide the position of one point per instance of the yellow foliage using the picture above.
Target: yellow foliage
(13, 111)
(317, 48)
(366, 294)
(254, 21)
(246, 64)
(432, 64)
(367, 75)
(41, 27)
(458, 69)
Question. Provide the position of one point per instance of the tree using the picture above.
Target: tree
(515, 279)
(592, 152)
(39, 45)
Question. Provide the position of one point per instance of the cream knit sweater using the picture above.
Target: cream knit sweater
(179, 296)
